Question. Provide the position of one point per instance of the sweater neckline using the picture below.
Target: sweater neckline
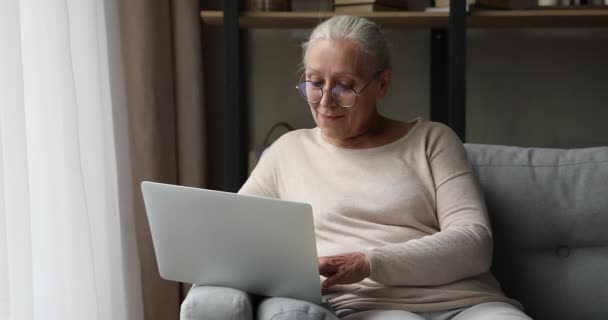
(328, 145)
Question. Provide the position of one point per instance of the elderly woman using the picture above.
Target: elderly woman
(400, 223)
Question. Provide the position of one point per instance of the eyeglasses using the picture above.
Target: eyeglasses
(344, 96)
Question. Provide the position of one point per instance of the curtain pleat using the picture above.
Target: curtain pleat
(67, 248)
(163, 71)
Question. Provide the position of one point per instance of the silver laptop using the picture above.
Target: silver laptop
(258, 245)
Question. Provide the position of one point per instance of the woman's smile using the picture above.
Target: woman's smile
(330, 118)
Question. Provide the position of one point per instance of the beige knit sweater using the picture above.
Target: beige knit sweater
(412, 206)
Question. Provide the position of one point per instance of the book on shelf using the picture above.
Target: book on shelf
(571, 3)
(393, 3)
(380, 5)
(508, 4)
(446, 3)
(444, 6)
(360, 8)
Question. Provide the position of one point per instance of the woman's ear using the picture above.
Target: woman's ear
(384, 79)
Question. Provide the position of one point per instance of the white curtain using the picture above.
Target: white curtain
(67, 242)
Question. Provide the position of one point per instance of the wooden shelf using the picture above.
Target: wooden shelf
(558, 18)
(293, 20)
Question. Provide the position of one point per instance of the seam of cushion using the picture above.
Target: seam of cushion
(540, 165)
(300, 311)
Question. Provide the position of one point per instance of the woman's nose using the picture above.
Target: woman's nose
(327, 100)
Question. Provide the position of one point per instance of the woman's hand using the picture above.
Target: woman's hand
(344, 268)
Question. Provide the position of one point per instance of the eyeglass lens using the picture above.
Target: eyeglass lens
(313, 93)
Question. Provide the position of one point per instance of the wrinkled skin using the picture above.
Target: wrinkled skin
(344, 268)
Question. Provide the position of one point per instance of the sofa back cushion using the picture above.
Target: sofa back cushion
(549, 213)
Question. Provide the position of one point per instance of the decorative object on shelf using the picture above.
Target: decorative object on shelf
(581, 3)
(444, 5)
(312, 5)
(572, 3)
(380, 5)
(508, 4)
(267, 5)
(547, 3)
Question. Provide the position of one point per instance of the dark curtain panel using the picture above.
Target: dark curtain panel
(163, 71)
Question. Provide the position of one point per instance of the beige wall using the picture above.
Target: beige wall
(533, 87)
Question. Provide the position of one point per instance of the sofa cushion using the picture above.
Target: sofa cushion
(292, 309)
(216, 303)
(549, 213)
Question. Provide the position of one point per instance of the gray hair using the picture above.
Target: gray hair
(362, 32)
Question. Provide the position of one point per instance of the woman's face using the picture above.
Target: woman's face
(341, 62)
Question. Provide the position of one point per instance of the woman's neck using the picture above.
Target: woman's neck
(378, 132)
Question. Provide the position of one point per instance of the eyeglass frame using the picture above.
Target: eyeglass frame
(374, 77)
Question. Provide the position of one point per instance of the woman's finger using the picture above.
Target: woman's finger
(330, 281)
(326, 268)
(336, 278)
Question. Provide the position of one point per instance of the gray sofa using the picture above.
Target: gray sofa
(549, 212)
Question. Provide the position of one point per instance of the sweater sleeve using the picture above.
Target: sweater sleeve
(263, 179)
(462, 248)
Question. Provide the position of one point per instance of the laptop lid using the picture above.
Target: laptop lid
(258, 245)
